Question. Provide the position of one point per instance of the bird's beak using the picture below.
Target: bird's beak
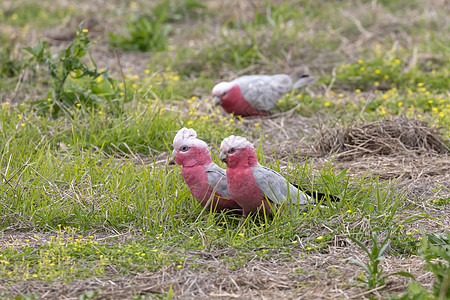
(217, 100)
(172, 161)
(223, 156)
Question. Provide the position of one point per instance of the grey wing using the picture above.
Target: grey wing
(217, 174)
(264, 91)
(275, 186)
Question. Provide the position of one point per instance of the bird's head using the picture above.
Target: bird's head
(189, 150)
(224, 92)
(237, 151)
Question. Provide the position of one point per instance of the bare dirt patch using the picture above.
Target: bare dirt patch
(309, 276)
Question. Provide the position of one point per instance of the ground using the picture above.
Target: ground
(92, 207)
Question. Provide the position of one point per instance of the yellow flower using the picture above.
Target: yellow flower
(376, 83)
(341, 95)
(287, 95)
(319, 238)
(266, 135)
(281, 101)
(332, 93)
(326, 104)
(400, 104)
(85, 30)
(49, 99)
(256, 124)
(170, 48)
(349, 211)
(420, 84)
(442, 100)
(419, 116)
(193, 98)
(299, 96)
(78, 104)
(34, 275)
(179, 266)
(19, 116)
(362, 69)
(23, 124)
(241, 234)
(360, 61)
(176, 78)
(385, 96)
(408, 233)
(147, 71)
(134, 86)
(441, 114)
(100, 112)
(377, 71)
(14, 16)
(358, 91)
(435, 110)
(133, 4)
(430, 101)
(155, 250)
(294, 242)
(99, 79)
(190, 122)
(308, 248)
(397, 61)
(386, 76)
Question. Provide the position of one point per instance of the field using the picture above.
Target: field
(93, 92)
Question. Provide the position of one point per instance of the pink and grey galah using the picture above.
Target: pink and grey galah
(255, 95)
(255, 187)
(200, 173)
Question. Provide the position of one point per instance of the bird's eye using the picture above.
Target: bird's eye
(184, 148)
(224, 93)
(232, 150)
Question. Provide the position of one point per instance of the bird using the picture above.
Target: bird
(255, 187)
(200, 173)
(256, 95)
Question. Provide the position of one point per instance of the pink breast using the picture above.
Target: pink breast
(197, 180)
(245, 191)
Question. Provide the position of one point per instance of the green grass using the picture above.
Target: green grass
(78, 178)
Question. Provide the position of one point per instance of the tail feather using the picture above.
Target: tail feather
(303, 80)
(322, 196)
(318, 196)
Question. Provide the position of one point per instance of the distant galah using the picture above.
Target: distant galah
(252, 185)
(255, 95)
(200, 173)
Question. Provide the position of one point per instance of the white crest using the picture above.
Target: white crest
(187, 137)
(221, 88)
(237, 142)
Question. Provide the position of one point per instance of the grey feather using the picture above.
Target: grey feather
(275, 186)
(216, 174)
(264, 91)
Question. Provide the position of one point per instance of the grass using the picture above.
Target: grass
(86, 187)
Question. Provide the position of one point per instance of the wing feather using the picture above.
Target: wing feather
(216, 174)
(275, 186)
(264, 91)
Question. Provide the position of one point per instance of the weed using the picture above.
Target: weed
(374, 272)
(67, 94)
(145, 33)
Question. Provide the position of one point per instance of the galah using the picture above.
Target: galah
(255, 95)
(200, 173)
(255, 187)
